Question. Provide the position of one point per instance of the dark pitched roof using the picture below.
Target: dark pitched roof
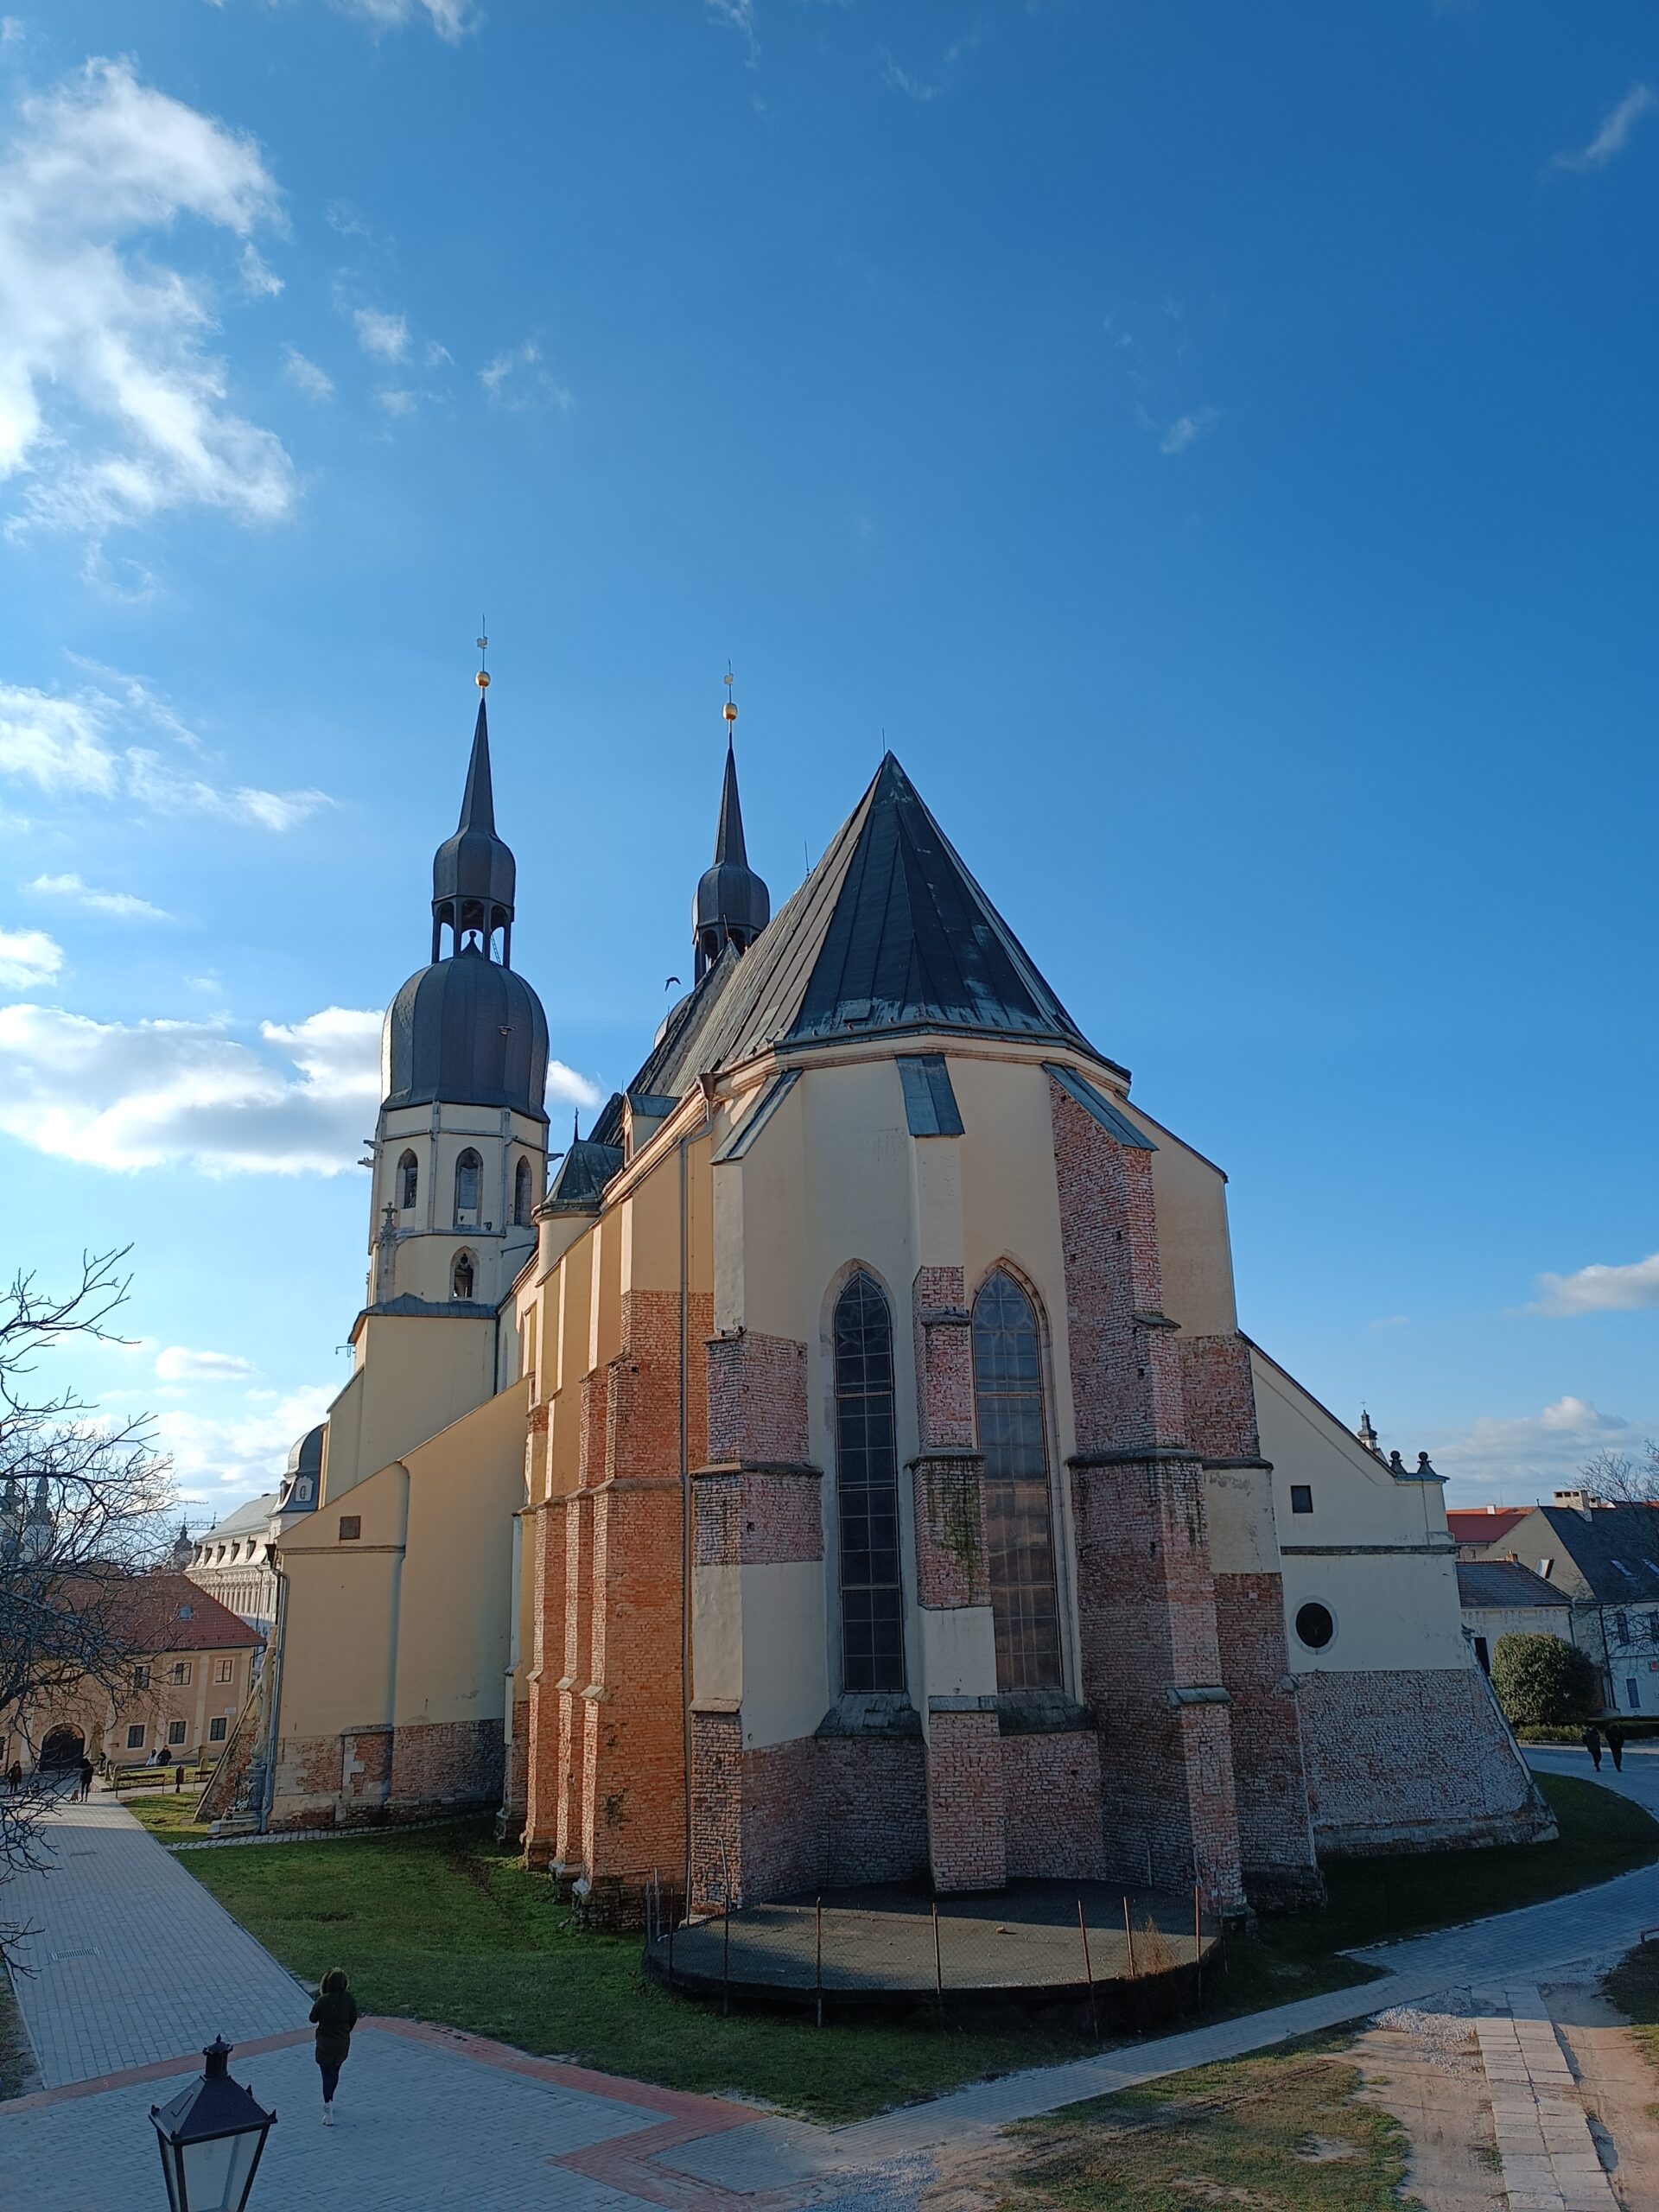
(584, 1172)
(1504, 1582)
(1615, 1549)
(889, 934)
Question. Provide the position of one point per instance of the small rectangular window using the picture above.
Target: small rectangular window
(186, 1612)
(1632, 1692)
(351, 1528)
(181, 1671)
(216, 1730)
(141, 1678)
(1483, 1654)
(136, 1736)
(175, 1732)
(225, 1671)
(1301, 1497)
(1544, 1566)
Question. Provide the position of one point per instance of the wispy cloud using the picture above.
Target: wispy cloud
(1523, 1454)
(1616, 127)
(71, 743)
(383, 335)
(127, 1096)
(120, 906)
(111, 412)
(28, 959)
(314, 382)
(179, 1363)
(1390, 1321)
(737, 16)
(516, 379)
(259, 280)
(1598, 1289)
(928, 88)
(1185, 431)
(218, 1459)
(398, 402)
(450, 19)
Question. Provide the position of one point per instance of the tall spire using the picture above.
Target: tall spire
(474, 876)
(733, 906)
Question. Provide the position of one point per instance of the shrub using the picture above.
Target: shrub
(1540, 1680)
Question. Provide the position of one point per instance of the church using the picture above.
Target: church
(848, 1466)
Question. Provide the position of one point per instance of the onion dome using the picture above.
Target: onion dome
(302, 1479)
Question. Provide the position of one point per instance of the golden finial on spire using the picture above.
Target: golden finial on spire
(482, 679)
(729, 711)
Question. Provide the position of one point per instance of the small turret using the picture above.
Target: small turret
(1365, 1433)
(733, 904)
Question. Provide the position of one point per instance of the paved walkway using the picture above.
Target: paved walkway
(421, 2109)
(133, 1960)
(1549, 2155)
(1639, 1781)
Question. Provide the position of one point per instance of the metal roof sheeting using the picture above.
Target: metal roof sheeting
(750, 1128)
(930, 1106)
(1115, 1124)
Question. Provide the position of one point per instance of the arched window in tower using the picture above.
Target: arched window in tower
(408, 1181)
(469, 1170)
(867, 1491)
(521, 1195)
(464, 1278)
(1019, 1512)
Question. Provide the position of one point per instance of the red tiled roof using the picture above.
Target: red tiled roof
(1483, 1524)
(149, 1617)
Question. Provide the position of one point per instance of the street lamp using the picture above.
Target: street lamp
(211, 2136)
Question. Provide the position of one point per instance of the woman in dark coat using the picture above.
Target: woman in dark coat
(334, 2015)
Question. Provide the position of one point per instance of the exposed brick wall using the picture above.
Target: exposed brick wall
(446, 1762)
(1218, 1396)
(944, 1357)
(717, 1807)
(949, 1525)
(967, 1842)
(632, 1788)
(365, 1772)
(516, 1798)
(1412, 1760)
(875, 1809)
(1051, 1785)
(1275, 1833)
(545, 1544)
(757, 1399)
(816, 1812)
(227, 1791)
(747, 1516)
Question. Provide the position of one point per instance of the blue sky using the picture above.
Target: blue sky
(1215, 446)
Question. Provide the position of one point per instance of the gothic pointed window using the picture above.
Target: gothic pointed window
(521, 1195)
(408, 1180)
(469, 1170)
(1019, 1513)
(867, 1491)
(463, 1278)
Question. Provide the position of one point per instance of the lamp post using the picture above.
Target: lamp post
(212, 2137)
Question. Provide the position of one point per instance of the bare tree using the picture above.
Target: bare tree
(81, 1501)
(1619, 1480)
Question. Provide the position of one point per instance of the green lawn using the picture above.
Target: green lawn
(444, 1924)
(1280, 2128)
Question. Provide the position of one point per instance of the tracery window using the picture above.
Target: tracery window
(1018, 1510)
(521, 1195)
(469, 1170)
(867, 1491)
(408, 1180)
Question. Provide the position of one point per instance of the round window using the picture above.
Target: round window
(1314, 1625)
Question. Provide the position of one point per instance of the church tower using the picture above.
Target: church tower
(459, 1153)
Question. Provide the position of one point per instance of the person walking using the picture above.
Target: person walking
(334, 2015)
(1591, 1742)
(85, 1790)
(14, 1776)
(1616, 1746)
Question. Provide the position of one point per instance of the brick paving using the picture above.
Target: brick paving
(1543, 2139)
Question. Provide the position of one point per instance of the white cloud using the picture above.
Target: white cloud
(913, 88)
(259, 280)
(111, 409)
(314, 382)
(27, 957)
(120, 906)
(737, 16)
(1389, 1321)
(12, 30)
(450, 19)
(1614, 134)
(1186, 429)
(1529, 1454)
(154, 1094)
(385, 335)
(1598, 1289)
(398, 403)
(70, 745)
(243, 1452)
(178, 1363)
(516, 380)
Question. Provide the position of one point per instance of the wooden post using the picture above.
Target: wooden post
(818, 1958)
(938, 1963)
(1128, 1933)
(1088, 1973)
(725, 1932)
(1198, 1948)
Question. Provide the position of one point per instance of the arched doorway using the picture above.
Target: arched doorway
(64, 1746)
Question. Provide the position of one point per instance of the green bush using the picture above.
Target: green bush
(1540, 1681)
